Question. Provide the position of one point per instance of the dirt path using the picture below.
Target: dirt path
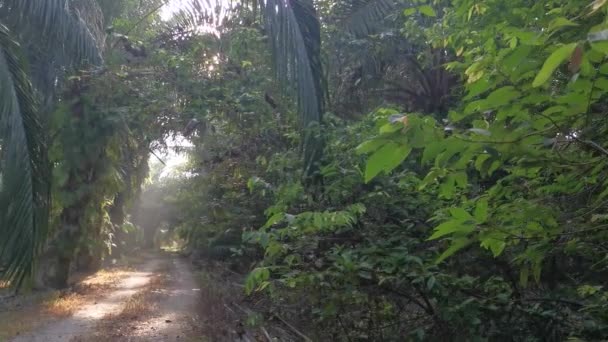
(174, 316)
(169, 313)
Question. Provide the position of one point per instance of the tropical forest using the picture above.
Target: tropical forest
(303, 170)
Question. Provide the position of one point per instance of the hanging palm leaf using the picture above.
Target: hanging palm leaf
(55, 37)
(24, 195)
(294, 32)
(58, 24)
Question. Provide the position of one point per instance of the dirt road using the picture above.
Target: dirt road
(155, 302)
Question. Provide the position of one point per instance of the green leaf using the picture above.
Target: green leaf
(501, 96)
(481, 210)
(555, 59)
(369, 146)
(386, 159)
(559, 23)
(460, 214)
(460, 179)
(496, 246)
(390, 127)
(457, 244)
(256, 279)
(481, 159)
(273, 220)
(427, 10)
(477, 88)
(431, 151)
(450, 227)
(601, 47)
(409, 11)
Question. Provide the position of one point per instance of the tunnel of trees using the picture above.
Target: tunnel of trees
(381, 170)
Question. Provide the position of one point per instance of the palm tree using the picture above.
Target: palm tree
(40, 40)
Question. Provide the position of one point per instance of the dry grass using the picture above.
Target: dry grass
(102, 280)
(27, 312)
(61, 305)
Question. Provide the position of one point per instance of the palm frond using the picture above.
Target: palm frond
(57, 24)
(24, 191)
(294, 32)
(201, 14)
(362, 17)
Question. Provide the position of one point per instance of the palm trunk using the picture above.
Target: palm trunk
(56, 263)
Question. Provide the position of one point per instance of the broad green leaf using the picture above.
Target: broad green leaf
(559, 23)
(475, 72)
(601, 47)
(476, 106)
(501, 96)
(386, 159)
(427, 10)
(554, 109)
(481, 210)
(432, 177)
(391, 127)
(496, 246)
(273, 220)
(460, 179)
(369, 146)
(513, 62)
(460, 214)
(477, 88)
(431, 151)
(447, 188)
(457, 244)
(450, 227)
(555, 59)
(481, 159)
(409, 11)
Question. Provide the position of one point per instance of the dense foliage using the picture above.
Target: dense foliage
(380, 170)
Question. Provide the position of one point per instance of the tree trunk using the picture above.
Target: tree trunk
(56, 262)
